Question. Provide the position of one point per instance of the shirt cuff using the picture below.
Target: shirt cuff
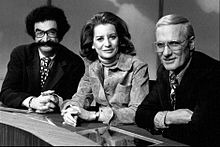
(159, 120)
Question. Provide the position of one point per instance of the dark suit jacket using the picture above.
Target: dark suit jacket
(23, 75)
(199, 91)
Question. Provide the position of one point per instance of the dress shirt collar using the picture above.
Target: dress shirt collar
(41, 55)
(181, 73)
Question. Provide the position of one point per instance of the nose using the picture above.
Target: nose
(167, 51)
(107, 43)
(45, 38)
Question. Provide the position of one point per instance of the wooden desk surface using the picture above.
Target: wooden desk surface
(49, 128)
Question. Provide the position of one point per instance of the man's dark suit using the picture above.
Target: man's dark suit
(23, 76)
(199, 91)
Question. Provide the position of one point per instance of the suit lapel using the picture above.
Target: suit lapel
(55, 74)
(33, 70)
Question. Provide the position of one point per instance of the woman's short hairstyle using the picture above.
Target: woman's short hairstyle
(174, 19)
(45, 13)
(87, 32)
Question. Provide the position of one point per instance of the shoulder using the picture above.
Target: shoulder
(23, 47)
(69, 55)
(200, 57)
(130, 62)
(133, 60)
(23, 50)
(92, 65)
(204, 64)
(136, 60)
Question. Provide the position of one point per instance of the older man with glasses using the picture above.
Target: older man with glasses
(184, 103)
(42, 74)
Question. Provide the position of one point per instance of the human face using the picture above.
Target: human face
(50, 27)
(105, 41)
(173, 60)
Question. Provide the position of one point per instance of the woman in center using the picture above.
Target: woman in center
(115, 81)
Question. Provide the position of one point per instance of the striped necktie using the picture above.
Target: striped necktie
(173, 85)
(44, 69)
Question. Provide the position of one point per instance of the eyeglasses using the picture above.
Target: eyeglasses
(174, 45)
(50, 33)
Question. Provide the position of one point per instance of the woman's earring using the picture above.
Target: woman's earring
(93, 47)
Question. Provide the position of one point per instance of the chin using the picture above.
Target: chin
(107, 56)
(170, 67)
(46, 49)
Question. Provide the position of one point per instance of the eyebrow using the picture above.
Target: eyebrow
(108, 35)
(52, 29)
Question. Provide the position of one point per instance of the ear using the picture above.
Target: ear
(192, 43)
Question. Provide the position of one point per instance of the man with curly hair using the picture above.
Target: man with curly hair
(42, 74)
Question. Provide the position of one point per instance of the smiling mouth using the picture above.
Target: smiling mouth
(110, 50)
(169, 60)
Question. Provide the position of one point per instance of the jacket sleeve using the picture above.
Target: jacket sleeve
(147, 109)
(11, 93)
(150, 106)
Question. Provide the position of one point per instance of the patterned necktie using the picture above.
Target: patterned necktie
(173, 85)
(44, 70)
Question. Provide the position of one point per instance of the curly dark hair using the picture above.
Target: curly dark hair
(86, 40)
(44, 13)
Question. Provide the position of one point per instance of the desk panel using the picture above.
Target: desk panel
(12, 136)
(36, 126)
(18, 127)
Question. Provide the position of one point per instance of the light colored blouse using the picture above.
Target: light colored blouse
(123, 88)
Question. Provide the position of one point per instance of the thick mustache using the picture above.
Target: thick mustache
(48, 43)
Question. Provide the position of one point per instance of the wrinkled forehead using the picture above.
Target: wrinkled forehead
(170, 32)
